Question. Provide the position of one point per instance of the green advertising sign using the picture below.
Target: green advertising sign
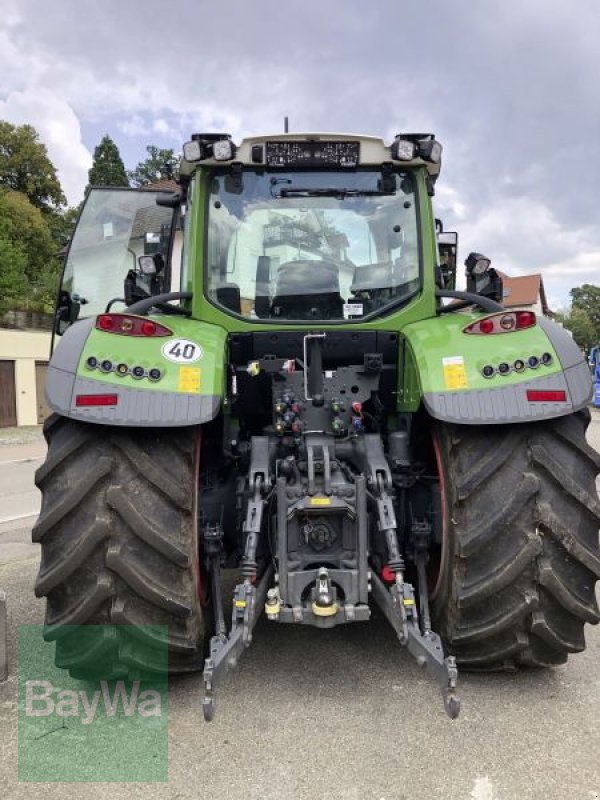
(103, 728)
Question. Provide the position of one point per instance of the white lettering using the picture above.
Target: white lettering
(43, 697)
(149, 704)
(89, 709)
(67, 704)
(120, 693)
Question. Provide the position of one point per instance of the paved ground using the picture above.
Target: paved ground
(293, 723)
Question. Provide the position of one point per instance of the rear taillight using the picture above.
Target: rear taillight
(129, 325)
(506, 322)
(96, 400)
(546, 395)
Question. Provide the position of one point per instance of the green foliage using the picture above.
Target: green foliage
(586, 299)
(13, 283)
(26, 168)
(161, 164)
(28, 262)
(582, 328)
(107, 168)
(62, 224)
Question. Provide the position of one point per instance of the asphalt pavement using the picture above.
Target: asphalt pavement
(339, 715)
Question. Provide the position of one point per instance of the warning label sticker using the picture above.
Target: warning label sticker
(455, 375)
(189, 380)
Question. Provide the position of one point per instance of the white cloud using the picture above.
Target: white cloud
(59, 130)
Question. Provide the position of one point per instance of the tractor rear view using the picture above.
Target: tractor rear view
(262, 371)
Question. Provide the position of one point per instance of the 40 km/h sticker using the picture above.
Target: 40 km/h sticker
(182, 351)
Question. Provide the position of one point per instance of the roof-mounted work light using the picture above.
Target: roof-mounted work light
(193, 151)
(206, 145)
(403, 149)
(477, 264)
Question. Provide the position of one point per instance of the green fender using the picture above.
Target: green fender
(172, 380)
(442, 368)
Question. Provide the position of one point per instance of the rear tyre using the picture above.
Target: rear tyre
(521, 559)
(119, 548)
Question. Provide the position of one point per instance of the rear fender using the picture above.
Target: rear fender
(189, 391)
(444, 367)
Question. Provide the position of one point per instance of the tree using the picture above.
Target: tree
(62, 224)
(107, 168)
(13, 283)
(26, 168)
(29, 264)
(582, 328)
(160, 165)
(586, 298)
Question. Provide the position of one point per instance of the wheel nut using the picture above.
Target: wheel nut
(519, 365)
(546, 359)
(138, 372)
(155, 374)
(504, 368)
(533, 362)
(91, 363)
(106, 366)
(122, 369)
(488, 371)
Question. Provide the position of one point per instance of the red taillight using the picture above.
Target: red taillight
(129, 325)
(96, 399)
(106, 322)
(504, 322)
(546, 395)
(525, 319)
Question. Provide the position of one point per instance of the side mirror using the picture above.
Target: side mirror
(448, 250)
(67, 311)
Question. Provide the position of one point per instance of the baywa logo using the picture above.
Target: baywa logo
(93, 727)
(42, 699)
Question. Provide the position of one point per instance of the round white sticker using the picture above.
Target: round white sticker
(182, 351)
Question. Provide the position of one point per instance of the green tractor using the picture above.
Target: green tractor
(268, 369)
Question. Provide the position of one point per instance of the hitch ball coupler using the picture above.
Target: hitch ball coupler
(324, 604)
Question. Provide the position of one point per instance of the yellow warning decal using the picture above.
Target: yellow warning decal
(455, 375)
(240, 604)
(320, 501)
(189, 380)
(409, 602)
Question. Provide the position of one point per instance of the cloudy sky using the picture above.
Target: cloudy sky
(510, 88)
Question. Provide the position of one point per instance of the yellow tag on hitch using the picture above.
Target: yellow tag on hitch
(320, 501)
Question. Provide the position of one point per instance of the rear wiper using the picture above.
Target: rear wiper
(300, 192)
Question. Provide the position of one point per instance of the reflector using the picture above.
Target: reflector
(546, 395)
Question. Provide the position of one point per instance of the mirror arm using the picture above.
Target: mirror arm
(486, 303)
(143, 306)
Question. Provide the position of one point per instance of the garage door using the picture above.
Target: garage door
(8, 397)
(41, 369)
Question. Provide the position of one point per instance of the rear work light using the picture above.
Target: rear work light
(96, 400)
(546, 395)
(504, 322)
(129, 325)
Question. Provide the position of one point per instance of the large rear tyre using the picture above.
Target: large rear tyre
(119, 548)
(521, 557)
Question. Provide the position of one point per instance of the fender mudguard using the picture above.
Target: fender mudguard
(444, 368)
(152, 380)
